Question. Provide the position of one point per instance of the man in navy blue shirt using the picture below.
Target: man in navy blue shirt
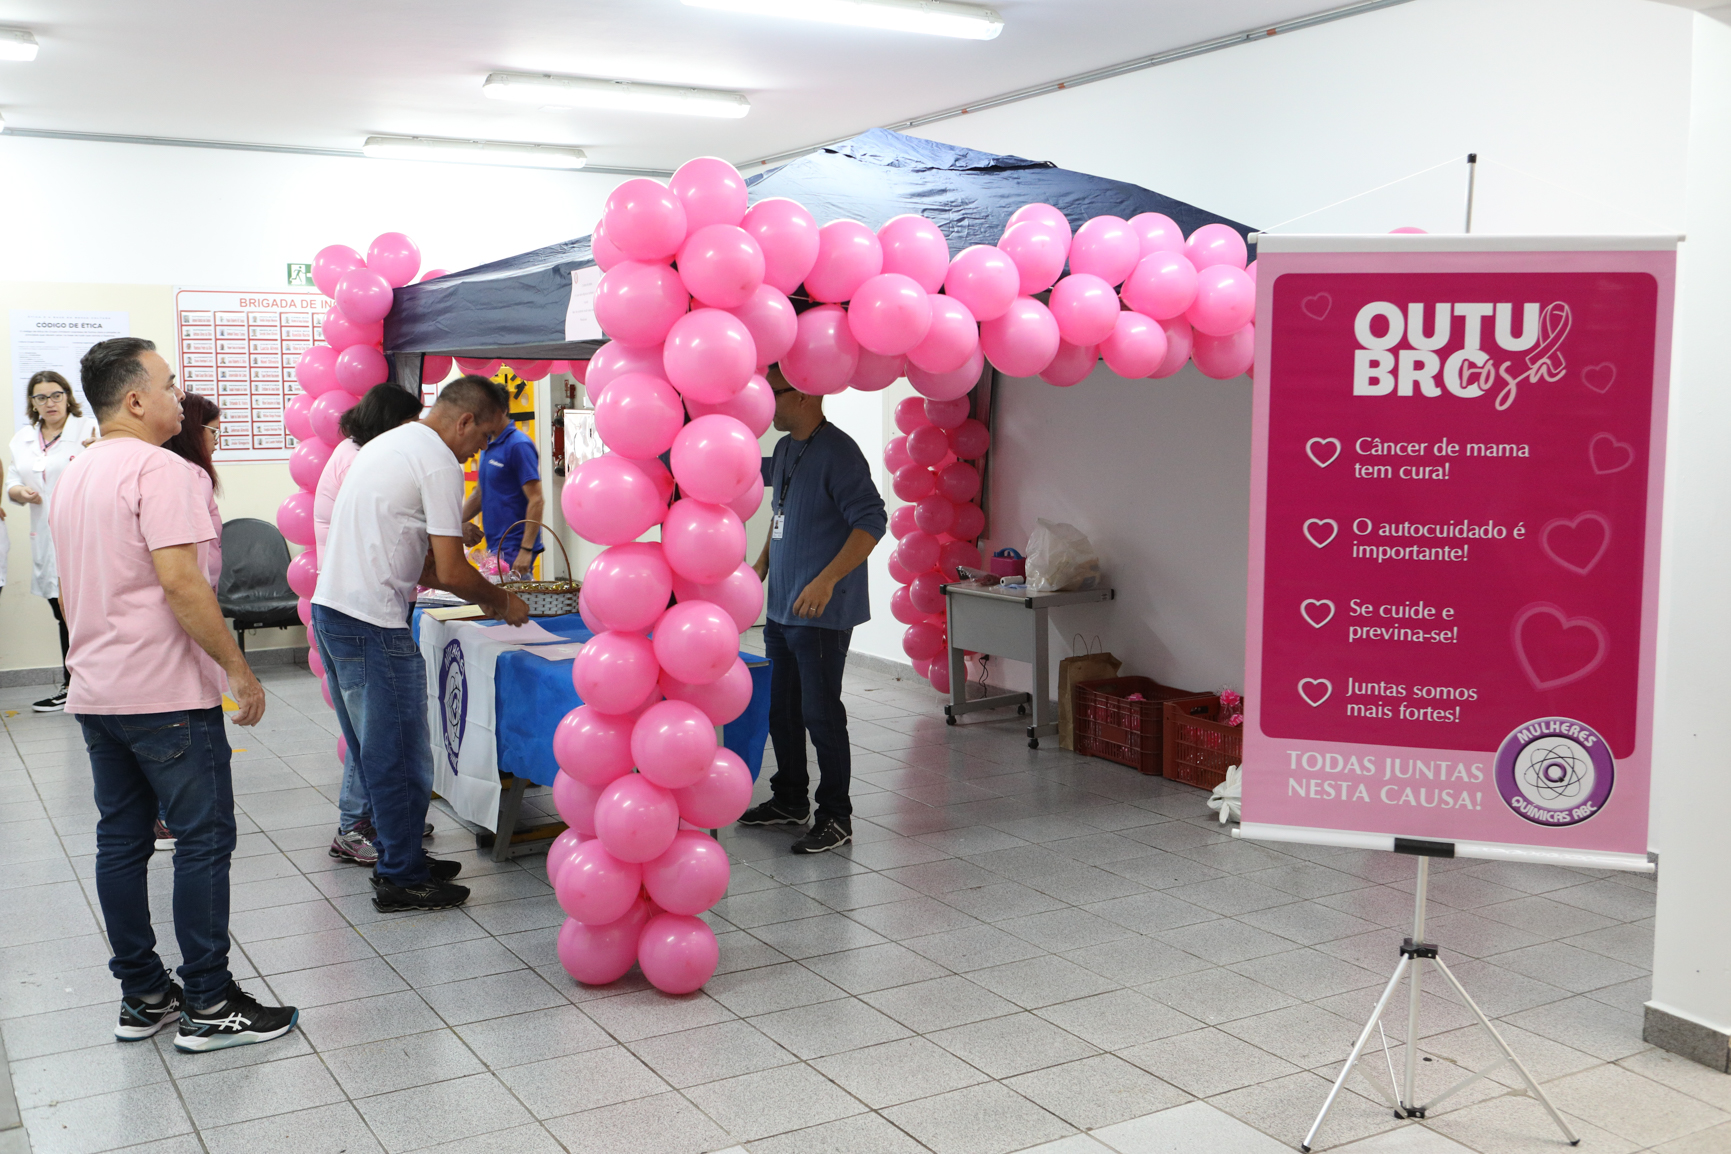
(508, 490)
(826, 516)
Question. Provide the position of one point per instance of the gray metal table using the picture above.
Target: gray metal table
(1005, 625)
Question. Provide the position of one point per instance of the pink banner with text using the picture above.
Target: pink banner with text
(1459, 448)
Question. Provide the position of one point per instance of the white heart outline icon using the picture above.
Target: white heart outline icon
(1593, 454)
(1603, 522)
(1606, 370)
(1327, 690)
(1316, 305)
(1333, 530)
(1304, 611)
(1546, 609)
(1310, 450)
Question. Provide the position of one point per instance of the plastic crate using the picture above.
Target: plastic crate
(1109, 725)
(1199, 747)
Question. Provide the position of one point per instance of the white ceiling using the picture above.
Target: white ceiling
(328, 73)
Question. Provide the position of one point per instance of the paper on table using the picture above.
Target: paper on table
(457, 612)
(565, 652)
(530, 634)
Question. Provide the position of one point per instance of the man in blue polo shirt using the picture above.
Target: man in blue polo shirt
(508, 490)
(826, 516)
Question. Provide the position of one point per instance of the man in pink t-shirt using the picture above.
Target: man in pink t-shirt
(148, 648)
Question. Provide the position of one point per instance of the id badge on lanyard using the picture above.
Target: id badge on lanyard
(775, 526)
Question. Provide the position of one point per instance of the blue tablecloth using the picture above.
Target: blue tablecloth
(532, 695)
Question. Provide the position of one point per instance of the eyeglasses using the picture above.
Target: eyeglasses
(53, 398)
(213, 430)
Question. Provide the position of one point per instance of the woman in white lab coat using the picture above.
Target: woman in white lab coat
(57, 431)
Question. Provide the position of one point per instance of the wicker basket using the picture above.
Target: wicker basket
(1199, 746)
(545, 598)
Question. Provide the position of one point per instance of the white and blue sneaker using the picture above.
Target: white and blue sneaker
(239, 1021)
(140, 1019)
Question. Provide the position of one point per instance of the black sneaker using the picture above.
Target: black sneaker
(365, 825)
(773, 812)
(239, 1021)
(53, 704)
(140, 1019)
(826, 834)
(390, 898)
(440, 869)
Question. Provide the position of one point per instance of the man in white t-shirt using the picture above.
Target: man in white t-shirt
(398, 522)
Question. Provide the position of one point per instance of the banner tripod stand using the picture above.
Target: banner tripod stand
(1415, 951)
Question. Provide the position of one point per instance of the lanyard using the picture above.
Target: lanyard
(787, 480)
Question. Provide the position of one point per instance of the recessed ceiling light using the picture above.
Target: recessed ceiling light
(17, 44)
(932, 17)
(622, 95)
(474, 152)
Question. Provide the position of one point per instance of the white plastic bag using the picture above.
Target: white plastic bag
(1228, 796)
(1061, 559)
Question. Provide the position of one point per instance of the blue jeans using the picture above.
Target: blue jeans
(805, 696)
(352, 804)
(380, 691)
(179, 761)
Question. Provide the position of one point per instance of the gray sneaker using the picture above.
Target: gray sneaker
(355, 846)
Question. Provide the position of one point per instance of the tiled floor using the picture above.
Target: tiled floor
(1024, 950)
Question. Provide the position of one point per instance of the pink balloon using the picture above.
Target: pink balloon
(304, 607)
(958, 553)
(946, 414)
(970, 523)
(788, 236)
(753, 406)
(923, 641)
(985, 280)
(303, 578)
(341, 332)
(627, 586)
(889, 314)
(610, 500)
(824, 354)
(915, 247)
(1071, 365)
(635, 818)
(959, 481)
(639, 415)
(1179, 340)
(677, 953)
(902, 521)
(934, 514)
(595, 887)
(768, 315)
(615, 359)
(615, 671)
(1216, 244)
(363, 295)
(709, 355)
(599, 955)
(948, 386)
(691, 876)
(720, 795)
(1250, 271)
(950, 339)
(939, 676)
(912, 482)
(1157, 232)
(315, 371)
(329, 265)
(644, 220)
(899, 573)
(589, 621)
(902, 605)
(1043, 214)
(874, 373)
(703, 542)
(748, 502)
(327, 411)
(721, 265)
(605, 252)
(910, 414)
(711, 191)
(1135, 348)
(927, 592)
(638, 301)
(560, 852)
(918, 551)
(713, 457)
(740, 594)
(575, 802)
(1162, 287)
(673, 743)
(659, 476)
(434, 369)
(527, 370)
(298, 416)
(696, 642)
(928, 445)
(394, 257)
(896, 455)
(1106, 247)
(848, 254)
(593, 747)
(360, 367)
(722, 700)
(433, 274)
(325, 691)
(1223, 358)
(475, 366)
(1038, 250)
(970, 440)
(308, 461)
(1022, 341)
(1225, 300)
(1085, 308)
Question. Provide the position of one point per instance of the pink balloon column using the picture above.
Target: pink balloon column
(640, 756)
(330, 376)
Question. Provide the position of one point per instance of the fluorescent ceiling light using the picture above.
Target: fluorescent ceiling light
(474, 152)
(933, 17)
(623, 95)
(17, 44)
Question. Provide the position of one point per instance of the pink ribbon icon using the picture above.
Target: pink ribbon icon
(1545, 362)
